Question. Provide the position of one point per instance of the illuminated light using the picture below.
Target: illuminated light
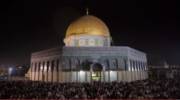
(41, 68)
(81, 72)
(49, 69)
(133, 69)
(20, 67)
(113, 75)
(93, 74)
(45, 68)
(10, 70)
(129, 69)
(91, 42)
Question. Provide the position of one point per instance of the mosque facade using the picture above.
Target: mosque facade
(88, 56)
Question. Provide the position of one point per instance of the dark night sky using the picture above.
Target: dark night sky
(147, 25)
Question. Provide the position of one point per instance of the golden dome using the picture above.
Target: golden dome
(89, 25)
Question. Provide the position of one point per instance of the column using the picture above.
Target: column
(39, 70)
(52, 70)
(35, 67)
(57, 70)
(104, 69)
(42, 71)
(60, 70)
(47, 72)
(117, 70)
(109, 70)
(31, 70)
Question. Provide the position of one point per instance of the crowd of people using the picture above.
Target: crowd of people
(95, 90)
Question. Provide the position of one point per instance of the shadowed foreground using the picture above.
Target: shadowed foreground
(114, 90)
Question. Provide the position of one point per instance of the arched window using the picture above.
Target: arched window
(131, 65)
(107, 64)
(134, 66)
(126, 65)
(35, 67)
(137, 65)
(140, 66)
(39, 66)
(47, 66)
(32, 67)
(70, 64)
(52, 65)
(67, 63)
(143, 65)
(77, 64)
(57, 65)
(116, 63)
(43, 65)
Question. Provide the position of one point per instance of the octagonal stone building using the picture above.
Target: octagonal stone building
(88, 56)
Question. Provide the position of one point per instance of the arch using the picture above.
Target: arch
(97, 67)
(140, 66)
(136, 65)
(38, 72)
(57, 69)
(52, 65)
(70, 64)
(43, 76)
(85, 65)
(107, 64)
(31, 69)
(42, 66)
(57, 65)
(126, 64)
(52, 69)
(66, 63)
(114, 64)
(146, 67)
(76, 63)
(130, 65)
(143, 66)
(35, 68)
(47, 66)
(133, 65)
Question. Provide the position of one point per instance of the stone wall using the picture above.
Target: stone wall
(65, 65)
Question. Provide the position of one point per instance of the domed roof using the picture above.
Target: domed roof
(89, 25)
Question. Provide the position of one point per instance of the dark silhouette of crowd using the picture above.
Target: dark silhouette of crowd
(96, 90)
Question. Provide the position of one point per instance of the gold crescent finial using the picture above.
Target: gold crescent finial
(87, 11)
